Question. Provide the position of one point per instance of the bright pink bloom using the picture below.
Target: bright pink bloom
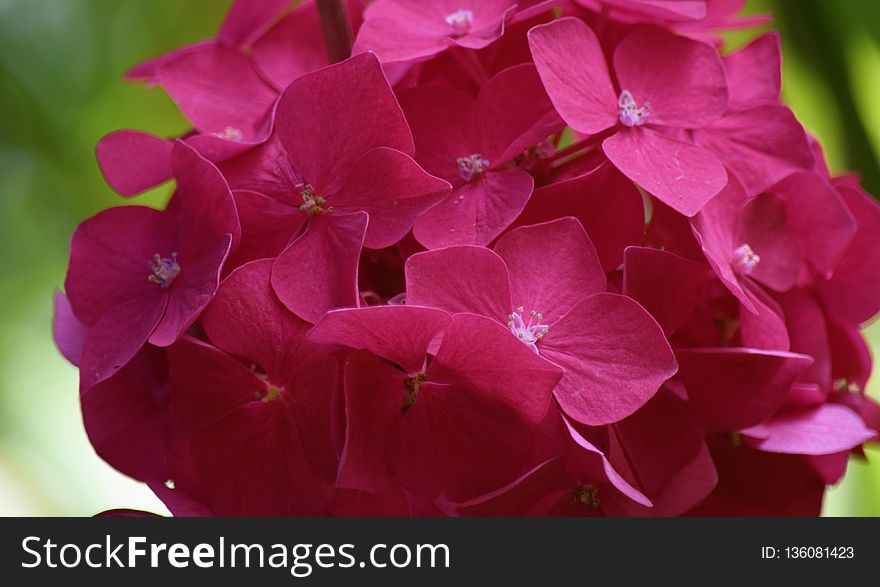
(139, 274)
(453, 424)
(260, 429)
(361, 172)
(403, 31)
(546, 286)
(470, 143)
(665, 84)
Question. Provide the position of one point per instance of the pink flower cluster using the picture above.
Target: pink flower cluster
(510, 258)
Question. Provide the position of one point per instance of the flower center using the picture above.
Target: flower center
(844, 384)
(165, 269)
(528, 333)
(313, 204)
(471, 166)
(270, 394)
(460, 22)
(412, 391)
(630, 113)
(586, 495)
(745, 259)
(229, 133)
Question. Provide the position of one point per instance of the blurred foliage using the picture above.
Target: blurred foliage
(60, 90)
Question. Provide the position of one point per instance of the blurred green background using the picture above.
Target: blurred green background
(60, 67)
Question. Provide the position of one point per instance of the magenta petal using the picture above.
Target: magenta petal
(716, 229)
(374, 393)
(322, 100)
(207, 383)
(125, 417)
(207, 209)
(608, 205)
(480, 354)
(552, 266)
(392, 188)
(681, 175)
(292, 47)
(614, 355)
(823, 430)
(110, 257)
(853, 292)
(218, 89)
(573, 68)
(400, 334)
(267, 226)
(818, 217)
(247, 320)
(117, 337)
(666, 285)
(514, 113)
(739, 140)
(682, 80)
(754, 72)
(191, 291)
(134, 161)
(763, 327)
(764, 227)
(460, 279)
(246, 19)
(477, 212)
(318, 271)
(68, 331)
(402, 31)
(735, 388)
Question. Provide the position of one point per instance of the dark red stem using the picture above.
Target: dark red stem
(336, 27)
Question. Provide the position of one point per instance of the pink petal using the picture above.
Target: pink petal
(614, 355)
(445, 125)
(117, 337)
(806, 324)
(824, 430)
(267, 226)
(460, 279)
(134, 161)
(735, 388)
(852, 294)
(125, 417)
(247, 320)
(818, 218)
(218, 89)
(764, 227)
(293, 46)
(682, 80)
(110, 257)
(571, 65)
(321, 100)
(68, 331)
(397, 333)
(477, 212)
(246, 19)
(480, 354)
(514, 113)
(608, 205)
(666, 285)
(192, 290)
(765, 327)
(207, 209)
(682, 175)
(392, 188)
(317, 272)
(374, 394)
(754, 72)
(552, 266)
(739, 140)
(402, 31)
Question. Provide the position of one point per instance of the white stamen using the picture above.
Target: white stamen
(229, 133)
(460, 22)
(471, 166)
(745, 259)
(165, 269)
(528, 333)
(630, 113)
(313, 204)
